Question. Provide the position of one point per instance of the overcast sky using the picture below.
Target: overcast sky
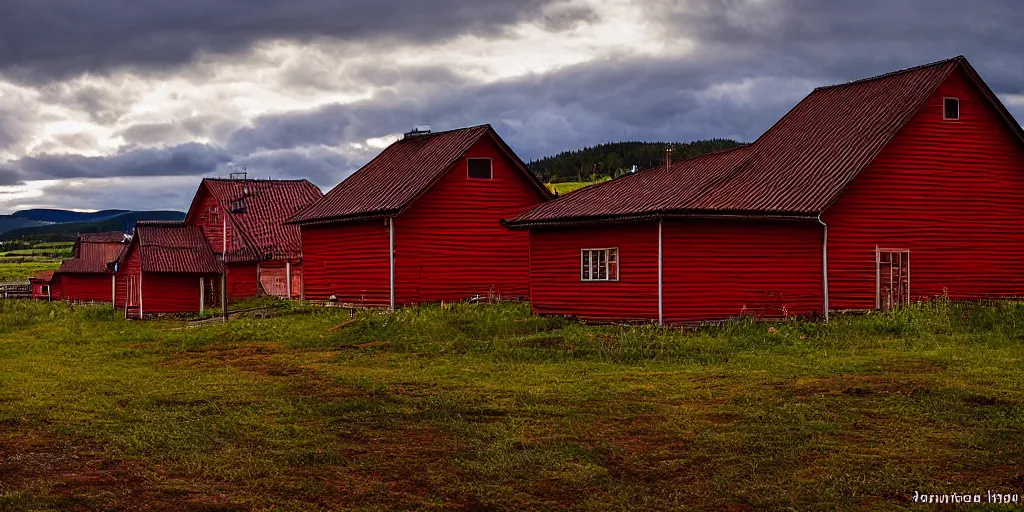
(127, 103)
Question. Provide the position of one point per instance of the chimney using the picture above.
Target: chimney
(668, 157)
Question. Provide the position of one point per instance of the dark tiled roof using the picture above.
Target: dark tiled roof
(261, 223)
(174, 247)
(399, 174)
(111, 237)
(798, 167)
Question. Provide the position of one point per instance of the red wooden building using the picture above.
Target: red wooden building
(422, 223)
(167, 267)
(866, 195)
(85, 277)
(41, 285)
(244, 221)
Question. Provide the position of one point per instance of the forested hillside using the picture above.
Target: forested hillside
(614, 158)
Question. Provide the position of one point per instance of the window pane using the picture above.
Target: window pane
(613, 264)
(586, 265)
(480, 168)
(951, 109)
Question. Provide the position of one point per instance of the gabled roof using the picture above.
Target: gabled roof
(401, 173)
(92, 252)
(798, 167)
(261, 222)
(172, 247)
(43, 277)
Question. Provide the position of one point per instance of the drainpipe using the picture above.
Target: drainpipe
(824, 264)
(288, 278)
(391, 242)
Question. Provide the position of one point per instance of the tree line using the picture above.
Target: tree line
(616, 158)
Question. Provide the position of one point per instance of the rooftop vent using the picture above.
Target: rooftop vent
(418, 131)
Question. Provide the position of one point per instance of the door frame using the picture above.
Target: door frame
(879, 250)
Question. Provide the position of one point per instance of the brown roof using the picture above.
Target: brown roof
(261, 222)
(798, 167)
(400, 174)
(92, 252)
(110, 237)
(44, 276)
(173, 247)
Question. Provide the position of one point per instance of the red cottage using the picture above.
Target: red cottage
(85, 277)
(167, 267)
(866, 195)
(243, 220)
(41, 285)
(422, 223)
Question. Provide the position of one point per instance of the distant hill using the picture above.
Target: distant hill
(69, 230)
(60, 216)
(614, 158)
(9, 222)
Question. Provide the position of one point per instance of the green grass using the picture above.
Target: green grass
(570, 186)
(20, 260)
(484, 407)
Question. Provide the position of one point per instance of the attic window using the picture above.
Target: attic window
(238, 205)
(951, 109)
(214, 215)
(480, 168)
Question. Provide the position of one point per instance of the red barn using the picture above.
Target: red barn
(866, 195)
(41, 285)
(85, 277)
(167, 267)
(422, 223)
(244, 220)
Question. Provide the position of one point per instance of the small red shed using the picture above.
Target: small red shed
(866, 195)
(167, 267)
(244, 221)
(41, 285)
(422, 223)
(85, 277)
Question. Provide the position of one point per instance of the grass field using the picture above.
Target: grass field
(20, 263)
(570, 186)
(485, 407)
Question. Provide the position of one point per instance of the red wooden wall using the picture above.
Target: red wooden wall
(85, 287)
(170, 293)
(349, 260)
(721, 269)
(214, 231)
(243, 280)
(950, 192)
(450, 243)
(130, 266)
(555, 272)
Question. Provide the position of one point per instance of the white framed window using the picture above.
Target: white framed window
(599, 264)
(214, 215)
(480, 168)
(951, 109)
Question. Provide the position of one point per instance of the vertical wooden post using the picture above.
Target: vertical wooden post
(202, 294)
(113, 291)
(224, 294)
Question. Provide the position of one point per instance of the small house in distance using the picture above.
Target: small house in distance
(866, 195)
(40, 283)
(244, 222)
(85, 277)
(421, 222)
(167, 267)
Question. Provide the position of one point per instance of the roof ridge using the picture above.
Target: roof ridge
(937, 63)
(271, 180)
(445, 132)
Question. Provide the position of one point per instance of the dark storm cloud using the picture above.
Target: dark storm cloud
(58, 38)
(185, 159)
(846, 40)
